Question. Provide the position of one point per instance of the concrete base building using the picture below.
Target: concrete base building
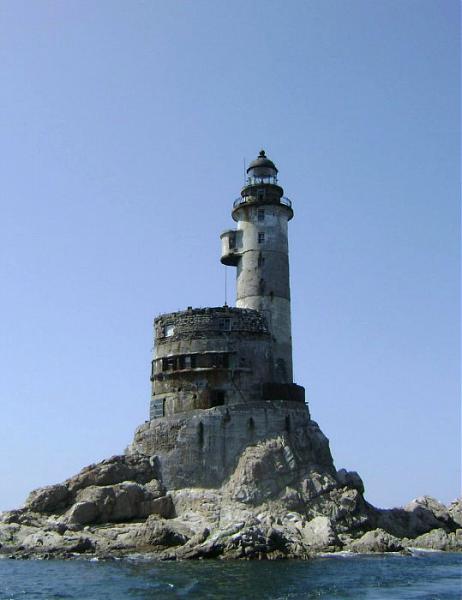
(226, 356)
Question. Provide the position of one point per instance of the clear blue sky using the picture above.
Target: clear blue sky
(124, 126)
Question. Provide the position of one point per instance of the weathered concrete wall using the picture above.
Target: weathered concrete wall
(206, 357)
(201, 448)
(260, 252)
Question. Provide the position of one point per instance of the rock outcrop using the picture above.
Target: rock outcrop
(225, 482)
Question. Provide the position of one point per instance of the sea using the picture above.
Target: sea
(429, 575)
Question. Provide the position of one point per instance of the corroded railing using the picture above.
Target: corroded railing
(242, 200)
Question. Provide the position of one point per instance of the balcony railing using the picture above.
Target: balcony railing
(243, 200)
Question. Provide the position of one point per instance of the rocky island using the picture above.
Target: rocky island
(230, 463)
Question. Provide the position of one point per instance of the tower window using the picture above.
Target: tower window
(232, 240)
(261, 214)
(261, 237)
(260, 194)
(157, 408)
(224, 324)
(169, 330)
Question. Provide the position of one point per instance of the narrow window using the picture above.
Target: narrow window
(232, 241)
(261, 237)
(157, 408)
(187, 361)
(261, 214)
(217, 398)
(224, 324)
(260, 194)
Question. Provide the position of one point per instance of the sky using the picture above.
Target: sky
(125, 126)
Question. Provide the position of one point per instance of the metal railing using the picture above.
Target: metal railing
(243, 200)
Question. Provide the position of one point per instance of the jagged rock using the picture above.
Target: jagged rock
(114, 470)
(350, 479)
(268, 497)
(455, 511)
(158, 532)
(377, 540)
(318, 534)
(120, 502)
(315, 484)
(82, 513)
(345, 507)
(262, 472)
(47, 542)
(417, 518)
(438, 539)
(48, 499)
(426, 514)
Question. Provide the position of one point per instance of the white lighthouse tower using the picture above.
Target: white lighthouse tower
(259, 250)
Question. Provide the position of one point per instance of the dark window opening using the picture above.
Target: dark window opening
(288, 424)
(260, 194)
(261, 237)
(217, 398)
(224, 324)
(261, 260)
(261, 214)
(168, 363)
(200, 434)
(251, 424)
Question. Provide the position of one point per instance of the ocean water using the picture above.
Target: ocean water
(425, 575)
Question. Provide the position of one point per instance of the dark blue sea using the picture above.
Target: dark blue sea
(429, 575)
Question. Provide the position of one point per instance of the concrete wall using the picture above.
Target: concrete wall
(201, 448)
(260, 252)
(207, 357)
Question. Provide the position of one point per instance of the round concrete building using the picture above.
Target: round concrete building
(206, 357)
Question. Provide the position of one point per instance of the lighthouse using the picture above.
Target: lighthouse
(258, 248)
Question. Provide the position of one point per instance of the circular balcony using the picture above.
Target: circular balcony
(250, 200)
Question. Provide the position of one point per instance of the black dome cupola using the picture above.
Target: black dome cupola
(262, 170)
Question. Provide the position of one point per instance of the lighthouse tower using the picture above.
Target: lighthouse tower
(259, 250)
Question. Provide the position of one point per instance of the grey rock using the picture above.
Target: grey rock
(119, 502)
(263, 471)
(377, 540)
(455, 511)
(48, 499)
(112, 471)
(438, 539)
(319, 534)
(350, 479)
(159, 532)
